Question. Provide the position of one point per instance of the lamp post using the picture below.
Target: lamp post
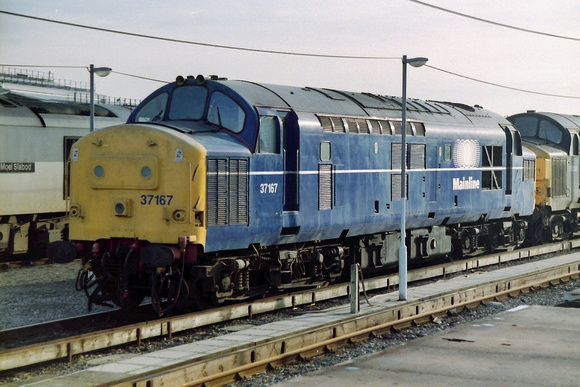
(101, 72)
(415, 62)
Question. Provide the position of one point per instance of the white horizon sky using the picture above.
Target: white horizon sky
(389, 28)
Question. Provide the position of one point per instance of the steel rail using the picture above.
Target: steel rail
(89, 342)
(28, 335)
(330, 345)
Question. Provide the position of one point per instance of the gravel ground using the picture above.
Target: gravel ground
(55, 298)
(35, 294)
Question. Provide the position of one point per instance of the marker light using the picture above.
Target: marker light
(146, 172)
(99, 171)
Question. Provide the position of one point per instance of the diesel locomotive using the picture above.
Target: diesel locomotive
(220, 190)
(554, 140)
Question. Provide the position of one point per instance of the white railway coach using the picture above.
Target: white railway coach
(35, 140)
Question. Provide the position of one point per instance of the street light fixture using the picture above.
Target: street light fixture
(415, 62)
(101, 72)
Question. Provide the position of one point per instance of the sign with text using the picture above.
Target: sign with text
(8, 167)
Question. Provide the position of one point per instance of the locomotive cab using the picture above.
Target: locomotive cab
(554, 139)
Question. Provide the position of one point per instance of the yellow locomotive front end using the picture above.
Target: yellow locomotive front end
(137, 182)
(555, 196)
(137, 214)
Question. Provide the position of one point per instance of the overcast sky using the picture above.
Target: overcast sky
(384, 28)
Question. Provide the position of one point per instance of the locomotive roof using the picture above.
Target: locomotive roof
(545, 127)
(199, 98)
(329, 101)
(566, 121)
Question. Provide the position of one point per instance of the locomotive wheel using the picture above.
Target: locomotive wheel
(539, 235)
(520, 235)
(198, 297)
(456, 250)
(556, 229)
(162, 294)
(105, 291)
(169, 291)
(467, 244)
(133, 299)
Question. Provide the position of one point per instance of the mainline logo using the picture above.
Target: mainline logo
(461, 184)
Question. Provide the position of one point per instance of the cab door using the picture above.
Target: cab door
(291, 149)
(267, 168)
(275, 172)
(513, 148)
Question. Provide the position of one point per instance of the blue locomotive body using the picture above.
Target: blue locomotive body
(221, 190)
(321, 164)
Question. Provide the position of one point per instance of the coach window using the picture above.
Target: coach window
(225, 112)
(491, 157)
(447, 155)
(153, 110)
(325, 151)
(268, 142)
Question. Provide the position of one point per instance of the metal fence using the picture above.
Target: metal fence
(74, 91)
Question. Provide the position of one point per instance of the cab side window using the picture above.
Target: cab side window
(268, 139)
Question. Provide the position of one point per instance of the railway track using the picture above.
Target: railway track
(14, 263)
(65, 328)
(227, 367)
(66, 348)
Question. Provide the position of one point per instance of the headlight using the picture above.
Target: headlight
(179, 216)
(123, 207)
(75, 212)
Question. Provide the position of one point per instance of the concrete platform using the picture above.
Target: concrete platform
(525, 346)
